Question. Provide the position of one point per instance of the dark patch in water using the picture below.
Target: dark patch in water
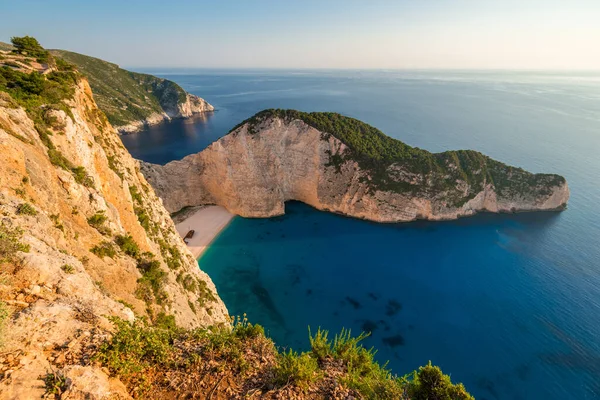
(392, 308)
(353, 302)
(297, 273)
(283, 235)
(373, 296)
(411, 327)
(265, 298)
(394, 341)
(369, 326)
(335, 313)
(386, 326)
(523, 372)
(268, 233)
(486, 384)
(309, 292)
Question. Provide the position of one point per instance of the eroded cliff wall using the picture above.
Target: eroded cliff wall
(84, 237)
(255, 169)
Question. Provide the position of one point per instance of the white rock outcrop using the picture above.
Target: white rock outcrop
(253, 171)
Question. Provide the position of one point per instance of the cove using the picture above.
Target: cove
(477, 296)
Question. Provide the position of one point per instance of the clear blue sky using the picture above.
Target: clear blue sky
(535, 34)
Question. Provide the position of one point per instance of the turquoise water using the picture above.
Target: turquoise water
(508, 304)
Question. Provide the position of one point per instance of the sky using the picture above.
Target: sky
(378, 34)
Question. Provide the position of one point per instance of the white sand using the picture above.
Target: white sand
(207, 223)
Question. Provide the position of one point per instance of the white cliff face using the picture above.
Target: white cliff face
(191, 106)
(59, 292)
(253, 174)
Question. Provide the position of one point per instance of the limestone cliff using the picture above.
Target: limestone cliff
(82, 237)
(345, 167)
(132, 100)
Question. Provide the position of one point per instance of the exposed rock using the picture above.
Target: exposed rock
(133, 100)
(262, 164)
(59, 291)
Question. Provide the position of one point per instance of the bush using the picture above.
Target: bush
(299, 369)
(81, 176)
(150, 285)
(128, 245)
(69, 269)
(26, 209)
(10, 243)
(135, 347)
(364, 374)
(104, 249)
(55, 384)
(97, 221)
(430, 383)
(143, 217)
(146, 355)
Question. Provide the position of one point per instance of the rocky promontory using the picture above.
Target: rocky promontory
(132, 100)
(339, 164)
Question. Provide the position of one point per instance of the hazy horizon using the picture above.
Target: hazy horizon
(530, 35)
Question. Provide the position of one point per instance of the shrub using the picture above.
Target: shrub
(10, 243)
(364, 374)
(104, 249)
(144, 355)
(81, 176)
(128, 245)
(150, 285)
(164, 321)
(135, 194)
(57, 224)
(245, 330)
(54, 384)
(299, 369)
(431, 383)
(135, 347)
(143, 217)
(26, 209)
(69, 269)
(97, 221)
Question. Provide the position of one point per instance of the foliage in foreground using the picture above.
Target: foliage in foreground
(139, 354)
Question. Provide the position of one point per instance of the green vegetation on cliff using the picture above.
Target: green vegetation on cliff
(40, 93)
(162, 360)
(395, 166)
(125, 96)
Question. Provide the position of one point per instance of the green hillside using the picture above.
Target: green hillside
(5, 46)
(125, 96)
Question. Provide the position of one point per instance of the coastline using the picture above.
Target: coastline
(207, 222)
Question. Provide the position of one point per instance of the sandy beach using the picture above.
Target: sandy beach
(207, 222)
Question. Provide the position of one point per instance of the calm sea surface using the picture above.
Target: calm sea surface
(507, 304)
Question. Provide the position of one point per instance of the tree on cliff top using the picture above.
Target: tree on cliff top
(28, 45)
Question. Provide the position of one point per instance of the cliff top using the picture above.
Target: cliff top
(377, 153)
(125, 96)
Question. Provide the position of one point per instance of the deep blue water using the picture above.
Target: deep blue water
(507, 304)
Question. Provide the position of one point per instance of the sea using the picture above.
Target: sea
(507, 304)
